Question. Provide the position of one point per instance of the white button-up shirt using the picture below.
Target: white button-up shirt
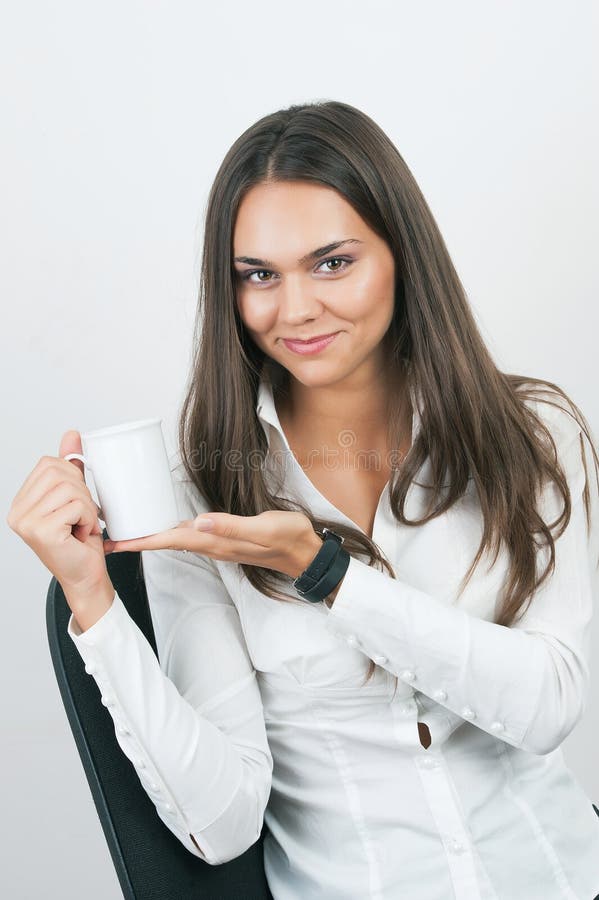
(257, 708)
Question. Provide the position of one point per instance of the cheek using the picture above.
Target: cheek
(372, 296)
(257, 315)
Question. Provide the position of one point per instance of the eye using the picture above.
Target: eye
(333, 259)
(245, 276)
(345, 261)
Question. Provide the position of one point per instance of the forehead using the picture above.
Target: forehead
(293, 216)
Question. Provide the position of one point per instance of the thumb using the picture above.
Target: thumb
(71, 443)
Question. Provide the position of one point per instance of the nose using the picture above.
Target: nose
(298, 301)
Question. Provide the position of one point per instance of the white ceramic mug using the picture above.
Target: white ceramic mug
(131, 474)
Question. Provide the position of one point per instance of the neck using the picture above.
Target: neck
(354, 414)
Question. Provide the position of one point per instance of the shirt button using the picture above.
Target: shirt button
(153, 786)
(352, 640)
(409, 708)
(140, 764)
(122, 730)
(440, 695)
(407, 675)
(429, 763)
(107, 701)
(456, 846)
(168, 807)
(379, 660)
(468, 713)
(90, 668)
(496, 726)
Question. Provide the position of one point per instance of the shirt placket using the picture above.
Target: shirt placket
(440, 795)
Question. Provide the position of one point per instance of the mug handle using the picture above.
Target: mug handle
(78, 456)
(85, 462)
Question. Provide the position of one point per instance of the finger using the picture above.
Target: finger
(246, 529)
(60, 498)
(71, 443)
(186, 537)
(60, 494)
(48, 470)
(41, 490)
(43, 463)
(172, 539)
(74, 518)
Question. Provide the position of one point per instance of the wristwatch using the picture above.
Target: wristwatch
(326, 569)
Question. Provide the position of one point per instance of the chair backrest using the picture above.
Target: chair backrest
(151, 864)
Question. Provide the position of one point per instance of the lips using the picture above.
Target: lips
(310, 347)
(318, 337)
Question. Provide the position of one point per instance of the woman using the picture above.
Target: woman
(398, 723)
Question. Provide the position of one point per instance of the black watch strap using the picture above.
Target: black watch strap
(326, 569)
(331, 578)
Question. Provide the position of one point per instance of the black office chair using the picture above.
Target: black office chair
(151, 864)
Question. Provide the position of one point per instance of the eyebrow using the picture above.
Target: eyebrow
(314, 254)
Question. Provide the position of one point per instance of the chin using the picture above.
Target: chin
(317, 375)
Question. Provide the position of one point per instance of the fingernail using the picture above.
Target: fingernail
(204, 524)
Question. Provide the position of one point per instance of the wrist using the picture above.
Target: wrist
(90, 604)
(335, 572)
(305, 554)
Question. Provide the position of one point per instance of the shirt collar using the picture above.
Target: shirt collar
(267, 413)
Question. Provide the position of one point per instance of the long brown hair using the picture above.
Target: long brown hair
(475, 423)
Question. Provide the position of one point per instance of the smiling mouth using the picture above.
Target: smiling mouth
(318, 337)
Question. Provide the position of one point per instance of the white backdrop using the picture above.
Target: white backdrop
(115, 117)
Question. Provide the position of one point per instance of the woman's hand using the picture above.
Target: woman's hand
(57, 517)
(276, 539)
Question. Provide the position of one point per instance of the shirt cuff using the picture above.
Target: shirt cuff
(356, 583)
(101, 630)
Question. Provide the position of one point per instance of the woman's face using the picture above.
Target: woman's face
(282, 292)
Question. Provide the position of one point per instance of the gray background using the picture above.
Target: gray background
(115, 118)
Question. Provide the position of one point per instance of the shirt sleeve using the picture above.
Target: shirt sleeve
(191, 722)
(526, 684)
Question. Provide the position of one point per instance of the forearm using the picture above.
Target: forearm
(207, 775)
(523, 684)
